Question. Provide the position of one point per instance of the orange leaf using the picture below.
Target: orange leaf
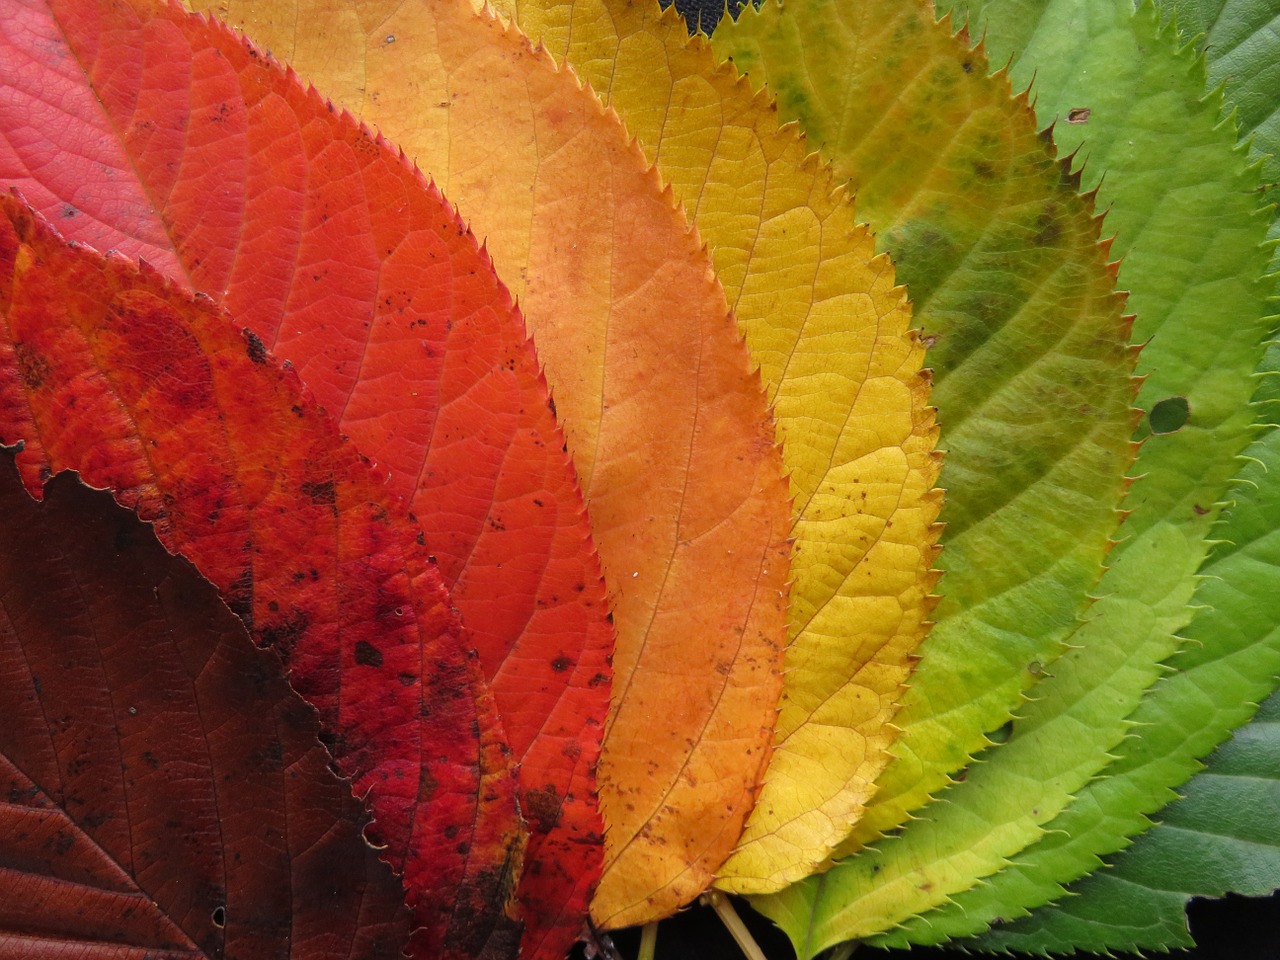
(665, 416)
(110, 371)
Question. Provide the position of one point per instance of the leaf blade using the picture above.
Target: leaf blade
(181, 802)
(807, 288)
(631, 264)
(994, 313)
(109, 371)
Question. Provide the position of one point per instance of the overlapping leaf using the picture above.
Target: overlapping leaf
(337, 256)
(1082, 710)
(1192, 237)
(1002, 258)
(665, 418)
(161, 399)
(1222, 836)
(822, 317)
(164, 790)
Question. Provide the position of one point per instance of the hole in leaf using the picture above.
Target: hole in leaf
(1078, 115)
(220, 917)
(1169, 415)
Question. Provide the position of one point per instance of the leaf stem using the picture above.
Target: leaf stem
(723, 907)
(648, 941)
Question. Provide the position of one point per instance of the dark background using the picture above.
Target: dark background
(1236, 928)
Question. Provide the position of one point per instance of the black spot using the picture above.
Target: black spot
(367, 655)
(324, 492)
(257, 350)
(1169, 415)
(561, 663)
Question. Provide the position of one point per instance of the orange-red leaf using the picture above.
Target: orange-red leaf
(665, 416)
(330, 248)
(162, 790)
(113, 372)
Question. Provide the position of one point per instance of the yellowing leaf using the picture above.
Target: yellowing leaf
(1032, 369)
(831, 332)
(665, 417)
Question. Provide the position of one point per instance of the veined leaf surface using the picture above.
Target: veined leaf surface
(665, 417)
(1218, 838)
(1221, 837)
(831, 334)
(1031, 367)
(160, 398)
(1185, 207)
(321, 239)
(165, 793)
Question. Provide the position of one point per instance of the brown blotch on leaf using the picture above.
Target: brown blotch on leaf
(541, 808)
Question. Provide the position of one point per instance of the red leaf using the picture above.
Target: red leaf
(327, 245)
(165, 790)
(112, 372)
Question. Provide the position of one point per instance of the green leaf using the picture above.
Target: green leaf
(1220, 837)
(1241, 42)
(1001, 257)
(1194, 257)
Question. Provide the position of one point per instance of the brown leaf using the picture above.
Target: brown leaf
(162, 790)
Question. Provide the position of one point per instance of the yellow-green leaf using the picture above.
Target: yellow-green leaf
(1032, 371)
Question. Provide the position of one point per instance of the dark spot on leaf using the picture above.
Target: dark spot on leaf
(367, 655)
(257, 350)
(561, 663)
(33, 367)
(542, 808)
(284, 636)
(1169, 415)
(324, 492)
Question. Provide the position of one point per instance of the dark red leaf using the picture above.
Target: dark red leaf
(162, 790)
(223, 171)
(110, 371)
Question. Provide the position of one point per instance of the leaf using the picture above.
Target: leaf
(157, 396)
(165, 791)
(665, 418)
(1192, 237)
(821, 315)
(334, 252)
(1240, 44)
(1220, 837)
(1031, 371)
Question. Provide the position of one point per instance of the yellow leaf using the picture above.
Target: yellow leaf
(831, 332)
(666, 420)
